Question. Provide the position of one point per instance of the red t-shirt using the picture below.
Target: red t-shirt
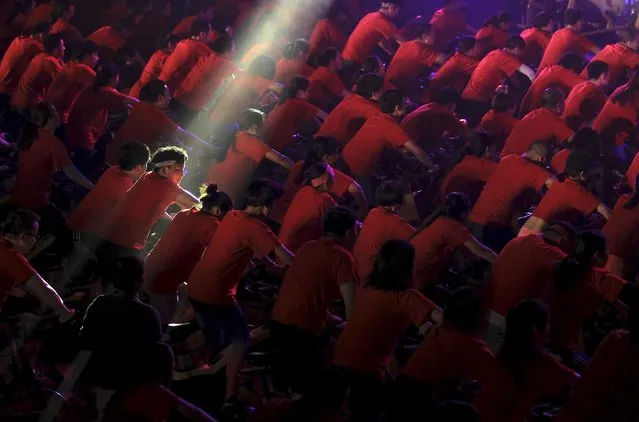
(622, 230)
(239, 238)
(312, 284)
(378, 321)
(286, 120)
(185, 25)
(233, 174)
(151, 71)
(42, 13)
(412, 60)
(67, 85)
(566, 201)
(379, 132)
(325, 34)
(141, 207)
(615, 110)
(551, 77)
(287, 69)
(369, 32)
(14, 269)
(91, 214)
(173, 258)
(147, 124)
(559, 160)
(348, 117)
(428, 123)
(468, 176)
(583, 104)
(36, 168)
(380, 226)
(324, 84)
(523, 270)
(565, 40)
(88, 115)
(454, 73)
(107, 37)
(538, 125)
(178, 65)
(489, 74)
(446, 26)
(536, 43)
(491, 38)
(435, 246)
(512, 176)
(15, 62)
(619, 58)
(203, 80)
(35, 81)
(499, 125)
(304, 219)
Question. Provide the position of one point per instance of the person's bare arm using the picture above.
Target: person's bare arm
(186, 199)
(280, 159)
(421, 155)
(527, 71)
(284, 254)
(348, 294)
(76, 176)
(481, 250)
(550, 181)
(604, 211)
(533, 225)
(321, 115)
(47, 295)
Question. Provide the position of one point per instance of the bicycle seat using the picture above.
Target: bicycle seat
(180, 332)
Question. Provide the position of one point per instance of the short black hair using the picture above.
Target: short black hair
(105, 74)
(573, 16)
(41, 28)
(327, 56)
(515, 42)
(391, 99)
(369, 84)
(18, 222)
(293, 49)
(422, 29)
(596, 68)
(51, 42)
(125, 274)
(552, 97)
(503, 101)
(87, 48)
(263, 66)
(152, 91)
(339, 221)
(132, 154)
(199, 26)
(465, 44)
(262, 193)
(447, 96)
(464, 310)
(571, 61)
(390, 193)
(393, 267)
(541, 20)
(170, 154)
(222, 44)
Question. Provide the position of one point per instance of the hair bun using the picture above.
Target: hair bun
(211, 189)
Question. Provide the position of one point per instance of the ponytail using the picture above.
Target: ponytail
(248, 118)
(573, 268)
(213, 198)
(454, 206)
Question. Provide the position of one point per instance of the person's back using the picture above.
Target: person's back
(16, 60)
(35, 81)
(489, 74)
(618, 57)
(556, 76)
(469, 176)
(352, 108)
(370, 31)
(538, 125)
(67, 85)
(455, 72)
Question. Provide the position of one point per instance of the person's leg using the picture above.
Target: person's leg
(235, 328)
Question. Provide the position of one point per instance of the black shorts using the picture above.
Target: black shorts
(221, 323)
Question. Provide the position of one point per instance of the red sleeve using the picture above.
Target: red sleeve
(585, 202)
(417, 307)
(256, 150)
(262, 240)
(585, 44)
(166, 124)
(386, 28)
(396, 136)
(114, 99)
(335, 85)
(345, 270)
(606, 284)
(561, 131)
(536, 175)
(59, 156)
(307, 112)
(18, 268)
(554, 376)
(457, 234)
(509, 64)
(402, 230)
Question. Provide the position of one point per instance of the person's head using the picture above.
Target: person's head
(538, 152)
(341, 223)
(263, 66)
(125, 274)
(393, 267)
(453, 5)
(587, 140)
(170, 163)
(373, 64)
(390, 194)
(133, 158)
(478, 144)
(39, 31)
(543, 21)
(468, 45)
(215, 202)
(515, 45)
(391, 8)
(156, 92)
(577, 165)
(599, 72)
(89, 54)
(574, 18)
(260, 196)
(392, 103)
(251, 121)
(424, 32)
(43, 116)
(464, 311)
(296, 88)
(589, 251)
(553, 99)
(297, 50)
(526, 331)
(629, 36)
(571, 61)
(456, 205)
(320, 176)
(455, 411)
(201, 30)
(126, 28)
(108, 75)
(504, 21)
(206, 14)
(560, 234)
(504, 102)
(369, 86)
(224, 46)
(54, 45)
(337, 13)
(330, 58)
(25, 7)
(63, 9)
(448, 98)
(20, 228)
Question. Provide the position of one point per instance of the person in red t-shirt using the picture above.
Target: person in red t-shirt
(456, 71)
(322, 271)
(541, 125)
(585, 140)
(240, 237)
(567, 40)
(563, 76)
(414, 60)
(537, 38)
(293, 114)
(173, 258)
(621, 57)
(449, 22)
(500, 120)
(567, 200)
(328, 32)
(63, 12)
(618, 117)
(18, 235)
(534, 371)
(326, 85)
(293, 62)
(185, 27)
(112, 39)
(154, 65)
(439, 236)
(586, 99)
(494, 34)
(622, 235)
(17, 58)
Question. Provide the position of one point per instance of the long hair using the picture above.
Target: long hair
(573, 268)
(455, 205)
(248, 118)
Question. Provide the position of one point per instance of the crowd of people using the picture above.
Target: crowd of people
(472, 189)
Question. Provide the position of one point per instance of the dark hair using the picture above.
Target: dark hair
(571, 61)
(573, 268)
(125, 274)
(327, 56)
(249, 117)
(552, 97)
(476, 146)
(627, 93)
(296, 85)
(262, 193)
(199, 26)
(18, 222)
(503, 101)
(170, 154)
(541, 20)
(51, 42)
(496, 20)
(447, 96)
(393, 267)
(422, 29)
(596, 68)
(390, 193)
(371, 64)
(465, 44)
(40, 116)
(573, 16)
(222, 44)
(132, 154)
(634, 199)
(456, 411)
(519, 341)
(213, 198)
(335, 10)
(464, 310)
(293, 49)
(455, 205)
(627, 33)
(586, 139)
(339, 221)
(152, 91)
(87, 48)
(41, 28)
(105, 74)
(390, 100)
(515, 42)
(577, 163)
(321, 146)
(369, 84)
(398, 3)
(263, 66)
(60, 7)
(315, 171)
